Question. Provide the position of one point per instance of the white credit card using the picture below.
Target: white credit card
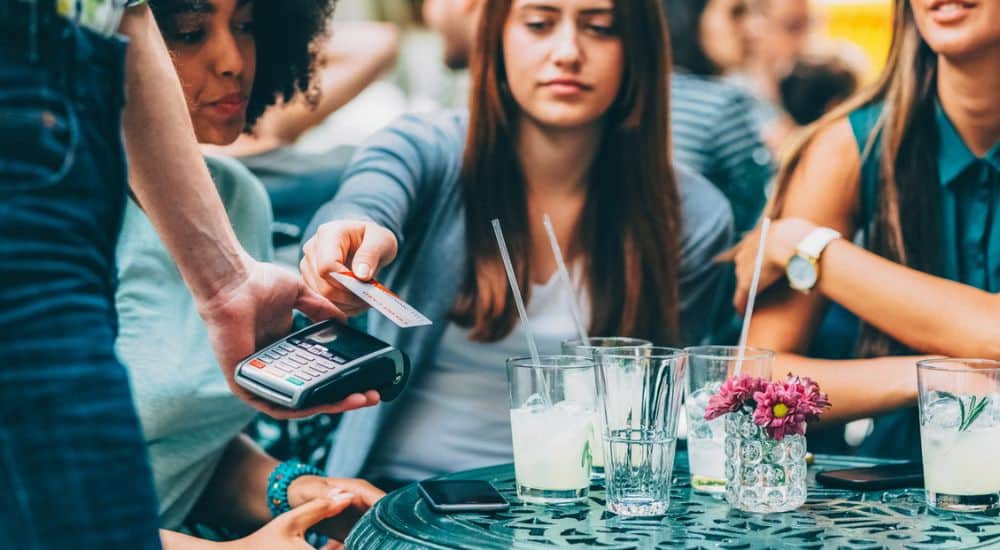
(382, 300)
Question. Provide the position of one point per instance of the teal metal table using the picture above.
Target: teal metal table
(831, 518)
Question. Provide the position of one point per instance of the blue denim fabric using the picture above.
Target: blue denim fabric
(73, 466)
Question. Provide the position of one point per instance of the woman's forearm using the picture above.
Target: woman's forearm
(927, 313)
(236, 494)
(172, 540)
(857, 388)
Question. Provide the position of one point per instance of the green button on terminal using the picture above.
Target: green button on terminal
(295, 381)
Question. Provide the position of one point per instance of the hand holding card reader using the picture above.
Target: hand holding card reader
(322, 364)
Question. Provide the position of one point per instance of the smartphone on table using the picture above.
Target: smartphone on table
(875, 478)
(462, 495)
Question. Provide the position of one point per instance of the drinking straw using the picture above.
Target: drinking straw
(758, 263)
(519, 301)
(574, 308)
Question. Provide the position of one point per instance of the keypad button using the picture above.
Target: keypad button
(258, 363)
(296, 359)
(304, 375)
(314, 372)
(295, 380)
(283, 367)
(339, 360)
(325, 365)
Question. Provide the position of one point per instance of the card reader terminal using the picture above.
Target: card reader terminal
(322, 364)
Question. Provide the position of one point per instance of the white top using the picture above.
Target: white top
(457, 413)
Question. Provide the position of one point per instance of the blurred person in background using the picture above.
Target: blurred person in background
(234, 58)
(911, 165)
(712, 123)
(569, 117)
(781, 32)
(456, 21)
(349, 59)
(815, 87)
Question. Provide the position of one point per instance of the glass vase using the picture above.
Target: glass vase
(763, 475)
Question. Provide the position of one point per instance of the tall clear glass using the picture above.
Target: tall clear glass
(639, 390)
(600, 344)
(708, 367)
(551, 421)
(960, 433)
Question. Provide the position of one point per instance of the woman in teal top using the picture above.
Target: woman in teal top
(910, 167)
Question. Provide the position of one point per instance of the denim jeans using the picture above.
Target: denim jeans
(73, 466)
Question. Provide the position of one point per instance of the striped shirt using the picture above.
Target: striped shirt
(714, 133)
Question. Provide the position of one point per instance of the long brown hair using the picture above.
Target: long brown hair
(630, 224)
(904, 225)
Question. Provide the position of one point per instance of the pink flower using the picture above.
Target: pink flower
(784, 407)
(733, 394)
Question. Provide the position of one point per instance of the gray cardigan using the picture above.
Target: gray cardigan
(406, 178)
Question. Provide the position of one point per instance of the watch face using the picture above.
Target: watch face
(801, 273)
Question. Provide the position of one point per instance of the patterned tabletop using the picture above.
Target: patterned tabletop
(831, 518)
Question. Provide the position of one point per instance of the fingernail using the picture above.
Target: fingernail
(363, 270)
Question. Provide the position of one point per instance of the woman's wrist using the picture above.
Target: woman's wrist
(279, 483)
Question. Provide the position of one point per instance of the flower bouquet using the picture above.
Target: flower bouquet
(765, 439)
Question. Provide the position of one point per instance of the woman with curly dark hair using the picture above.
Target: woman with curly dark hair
(206, 472)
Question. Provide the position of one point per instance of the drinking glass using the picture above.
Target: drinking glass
(639, 391)
(551, 420)
(960, 433)
(708, 367)
(599, 344)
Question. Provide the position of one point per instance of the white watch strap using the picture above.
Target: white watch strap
(815, 242)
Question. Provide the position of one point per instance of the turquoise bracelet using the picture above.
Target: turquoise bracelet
(279, 480)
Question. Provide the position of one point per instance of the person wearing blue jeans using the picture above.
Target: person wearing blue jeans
(73, 469)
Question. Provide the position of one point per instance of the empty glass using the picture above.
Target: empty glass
(639, 393)
(960, 433)
(708, 367)
(599, 344)
(551, 421)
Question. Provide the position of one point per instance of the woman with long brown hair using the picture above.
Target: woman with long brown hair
(569, 116)
(912, 167)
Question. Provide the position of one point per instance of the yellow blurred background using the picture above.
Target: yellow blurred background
(865, 23)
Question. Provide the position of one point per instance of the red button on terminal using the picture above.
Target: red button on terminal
(257, 363)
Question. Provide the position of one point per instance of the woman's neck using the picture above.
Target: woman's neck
(969, 91)
(556, 161)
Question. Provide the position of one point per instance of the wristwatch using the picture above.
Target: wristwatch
(802, 269)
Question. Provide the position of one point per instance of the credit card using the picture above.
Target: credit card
(382, 300)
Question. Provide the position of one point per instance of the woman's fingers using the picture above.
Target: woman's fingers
(378, 248)
(299, 520)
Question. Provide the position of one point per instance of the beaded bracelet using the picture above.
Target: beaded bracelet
(279, 480)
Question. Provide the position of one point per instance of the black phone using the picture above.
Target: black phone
(875, 478)
(462, 496)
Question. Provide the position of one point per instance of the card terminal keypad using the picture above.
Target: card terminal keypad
(298, 361)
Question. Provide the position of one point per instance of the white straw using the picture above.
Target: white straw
(574, 308)
(517, 292)
(758, 263)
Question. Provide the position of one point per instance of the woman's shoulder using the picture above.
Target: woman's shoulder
(436, 131)
(246, 202)
(706, 214)
(863, 122)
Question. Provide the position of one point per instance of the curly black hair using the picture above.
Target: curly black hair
(286, 33)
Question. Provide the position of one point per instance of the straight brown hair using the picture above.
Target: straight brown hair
(631, 221)
(905, 221)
